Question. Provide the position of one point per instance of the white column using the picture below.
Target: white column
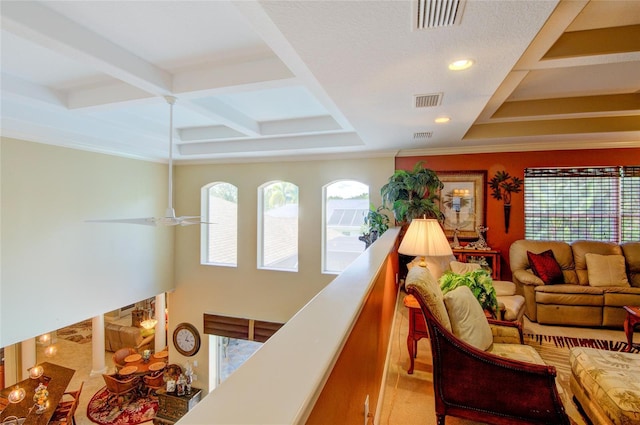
(98, 365)
(161, 333)
(28, 356)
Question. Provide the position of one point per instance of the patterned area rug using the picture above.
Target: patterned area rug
(132, 412)
(78, 332)
(554, 350)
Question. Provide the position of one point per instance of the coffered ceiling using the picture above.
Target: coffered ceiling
(274, 79)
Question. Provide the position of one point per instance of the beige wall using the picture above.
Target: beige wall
(57, 269)
(246, 291)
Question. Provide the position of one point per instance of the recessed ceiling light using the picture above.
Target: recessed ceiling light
(442, 120)
(461, 64)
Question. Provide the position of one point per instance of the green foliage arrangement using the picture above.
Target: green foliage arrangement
(375, 224)
(412, 194)
(480, 283)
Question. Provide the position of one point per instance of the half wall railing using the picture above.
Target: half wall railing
(321, 366)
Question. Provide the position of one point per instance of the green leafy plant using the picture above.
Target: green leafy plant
(480, 283)
(502, 185)
(412, 194)
(375, 224)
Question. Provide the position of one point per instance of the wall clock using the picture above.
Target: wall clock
(186, 339)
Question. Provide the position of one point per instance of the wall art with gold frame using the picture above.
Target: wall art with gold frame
(463, 202)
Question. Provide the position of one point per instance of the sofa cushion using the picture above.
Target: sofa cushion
(461, 268)
(561, 251)
(606, 270)
(545, 266)
(467, 318)
(423, 281)
(631, 252)
(582, 248)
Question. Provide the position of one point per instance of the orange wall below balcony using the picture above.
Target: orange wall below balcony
(515, 163)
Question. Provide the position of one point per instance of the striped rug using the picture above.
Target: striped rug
(554, 350)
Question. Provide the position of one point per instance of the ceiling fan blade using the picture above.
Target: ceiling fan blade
(147, 221)
(191, 220)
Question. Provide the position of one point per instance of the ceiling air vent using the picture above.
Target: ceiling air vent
(428, 100)
(438, 13)
(422, 135)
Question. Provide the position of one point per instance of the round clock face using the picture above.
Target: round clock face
(186, 339)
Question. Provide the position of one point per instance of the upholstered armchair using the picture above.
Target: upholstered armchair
(482, 372)
(118, 388)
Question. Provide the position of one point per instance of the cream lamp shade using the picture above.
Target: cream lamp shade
(425, 238)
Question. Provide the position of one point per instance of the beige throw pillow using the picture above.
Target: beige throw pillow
(461, 268)
(467, 318)
(606, 270)
(423, 281)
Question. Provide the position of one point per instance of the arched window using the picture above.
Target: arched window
(278, 226)
(220, 239)
(346, 204)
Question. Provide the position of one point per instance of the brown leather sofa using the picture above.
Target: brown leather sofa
(575, 302)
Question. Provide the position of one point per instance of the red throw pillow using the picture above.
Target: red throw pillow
(545, 266)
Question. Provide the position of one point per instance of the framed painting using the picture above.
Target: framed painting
(462, 202)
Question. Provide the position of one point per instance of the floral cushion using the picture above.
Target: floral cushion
(611, 380)
(523, 353)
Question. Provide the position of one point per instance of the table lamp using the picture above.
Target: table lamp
(425, 238)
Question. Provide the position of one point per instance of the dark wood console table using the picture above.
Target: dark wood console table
(171, 407)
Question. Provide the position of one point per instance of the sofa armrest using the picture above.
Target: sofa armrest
(527, 278)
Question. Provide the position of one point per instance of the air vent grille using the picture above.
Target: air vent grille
(438, 13)
(422, 135)
(428, 100)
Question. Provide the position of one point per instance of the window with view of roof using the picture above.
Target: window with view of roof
(278, 226)
(220, 239)
(346, 204)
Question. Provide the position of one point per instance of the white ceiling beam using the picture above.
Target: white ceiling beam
(299, 125)
(264, 26)
(17, 88)
(47, 28)
(201, 81)
(217, 78)
(111, 95)
(224, 114)
(299, 143)
(201, 134)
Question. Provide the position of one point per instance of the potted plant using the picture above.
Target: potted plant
(480, 283)
(502, 185)
(375, 224)
(411, 194)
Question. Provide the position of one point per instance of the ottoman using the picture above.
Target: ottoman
(606, 384)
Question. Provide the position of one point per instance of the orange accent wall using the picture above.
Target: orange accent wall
(359, 369)
(515, 163)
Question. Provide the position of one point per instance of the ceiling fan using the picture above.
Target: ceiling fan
(169, 218)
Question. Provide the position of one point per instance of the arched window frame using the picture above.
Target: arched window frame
(326, 266)
(261, 251)
(219, 224)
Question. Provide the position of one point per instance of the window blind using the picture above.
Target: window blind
(630, 204)
(569, 204)
(239, 328)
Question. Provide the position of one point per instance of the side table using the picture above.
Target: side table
(171, 407)
(417, 328)
(633, 319)
(492, 257)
